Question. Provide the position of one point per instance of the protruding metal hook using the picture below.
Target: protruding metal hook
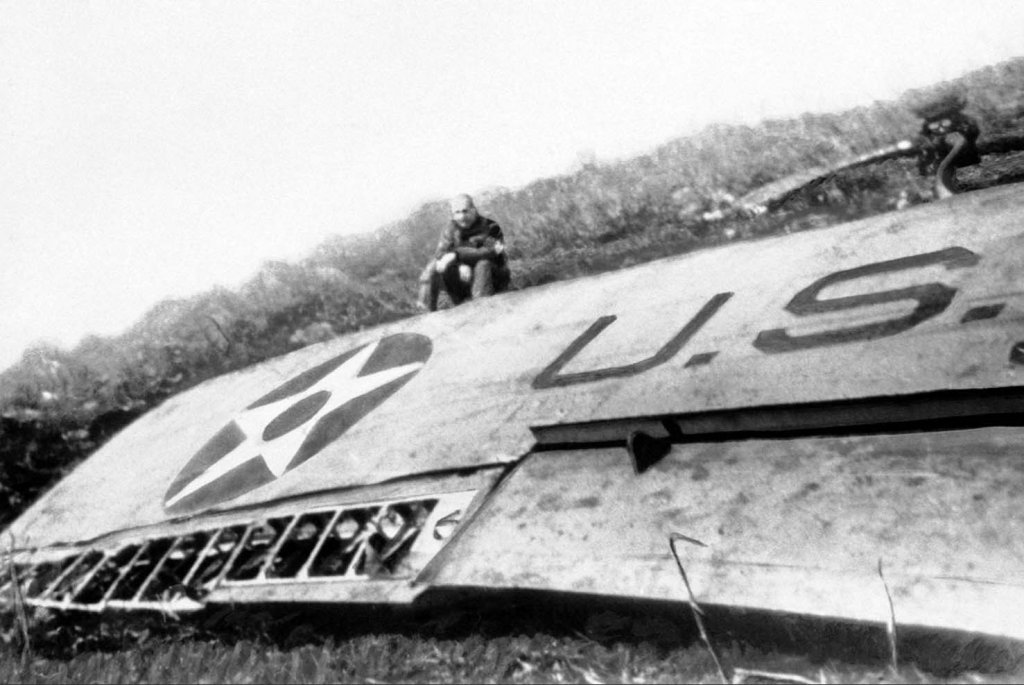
(646, 451)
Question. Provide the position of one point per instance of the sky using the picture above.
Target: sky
(153, 149)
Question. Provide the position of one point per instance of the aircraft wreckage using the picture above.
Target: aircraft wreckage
(798, 412)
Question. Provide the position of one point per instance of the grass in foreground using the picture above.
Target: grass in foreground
(549, 642)
(537, 658)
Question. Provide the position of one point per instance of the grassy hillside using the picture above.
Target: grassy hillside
(57, 405)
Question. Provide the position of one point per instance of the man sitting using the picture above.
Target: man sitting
(470, 258)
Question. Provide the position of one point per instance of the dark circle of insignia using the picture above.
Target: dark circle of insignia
(391, 352)
(295, 415)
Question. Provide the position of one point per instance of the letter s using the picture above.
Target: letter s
(931, 298)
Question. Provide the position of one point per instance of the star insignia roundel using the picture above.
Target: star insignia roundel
(295, 421)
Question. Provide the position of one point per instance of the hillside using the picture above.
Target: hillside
(58, 405)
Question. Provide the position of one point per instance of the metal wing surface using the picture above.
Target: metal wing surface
(785, 373)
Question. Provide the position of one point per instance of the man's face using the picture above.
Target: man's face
(463, 213)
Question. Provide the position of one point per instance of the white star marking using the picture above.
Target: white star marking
(343, 383)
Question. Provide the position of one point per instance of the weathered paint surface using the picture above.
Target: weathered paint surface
(918, 301)
(796, 525)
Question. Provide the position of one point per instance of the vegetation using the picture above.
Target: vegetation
(57, 405)
(529, 642)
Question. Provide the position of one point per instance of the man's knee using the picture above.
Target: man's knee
(483, 268)
(428, 274)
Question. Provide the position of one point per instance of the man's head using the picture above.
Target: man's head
(463, 210)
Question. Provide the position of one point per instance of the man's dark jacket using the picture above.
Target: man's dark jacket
(473, 243)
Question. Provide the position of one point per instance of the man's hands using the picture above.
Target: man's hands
(443, 261)
(465, 270)
(475, 253)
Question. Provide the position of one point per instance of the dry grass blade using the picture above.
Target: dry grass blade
(890, 626)
(18, 602)
(694, 606)
(746, 675)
